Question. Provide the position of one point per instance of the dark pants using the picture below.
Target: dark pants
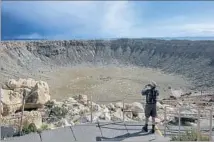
(150, 110)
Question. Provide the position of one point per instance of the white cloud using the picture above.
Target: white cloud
(103, 18)
(111, 18)
(118, 19)
(196, 29)
(31, 36)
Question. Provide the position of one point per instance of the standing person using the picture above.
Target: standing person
(150, 108)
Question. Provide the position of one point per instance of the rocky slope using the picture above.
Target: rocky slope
(192, 59)
(40, 110)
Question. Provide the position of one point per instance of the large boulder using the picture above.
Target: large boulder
(95, 107)
(32, 117)
(11, 101)
(117, 116)
(71, 100)
(87, 118)
(21, 83)
(64, 123)
(105, 114)
(84, 110)
(175, 94)
(127, 106)
(83, 99)
(119, 105)
(186, 116)
(111, 107)
(136, 108)
(140, 117)
(38, 96)
(128, 114)
(169, 108)
(159, 106)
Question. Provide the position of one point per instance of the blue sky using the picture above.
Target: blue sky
(106, 19)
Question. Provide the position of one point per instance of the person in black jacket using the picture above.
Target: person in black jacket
(151, 94)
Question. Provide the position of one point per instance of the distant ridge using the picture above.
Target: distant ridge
(16, 39)
(163, 38)
(188, 38)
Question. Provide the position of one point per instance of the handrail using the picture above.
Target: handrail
(179, 114)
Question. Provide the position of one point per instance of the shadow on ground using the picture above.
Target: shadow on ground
(123, 136)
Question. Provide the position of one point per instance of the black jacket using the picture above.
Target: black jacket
(151, 95)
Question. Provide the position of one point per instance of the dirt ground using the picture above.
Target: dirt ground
(109, 83)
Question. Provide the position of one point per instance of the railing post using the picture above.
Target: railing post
(198, 125)
(1, 106)
(123, 111)
(165, 121)
(91, 110)
(23, 107)
(179, 123)
(211, 124)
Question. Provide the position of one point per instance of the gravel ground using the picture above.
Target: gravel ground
(109, 83)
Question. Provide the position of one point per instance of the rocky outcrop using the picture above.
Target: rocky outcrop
(11, 101)
(83, 99)
(76, 109)
(176, 94)
(32, 117)
(21, 83)
(136, 108)
(38, 96)
(35, 94)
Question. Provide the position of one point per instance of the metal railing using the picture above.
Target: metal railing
(199, 115)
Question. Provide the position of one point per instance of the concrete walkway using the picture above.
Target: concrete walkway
(92, 132)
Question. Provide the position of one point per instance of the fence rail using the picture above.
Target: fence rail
(179, 115)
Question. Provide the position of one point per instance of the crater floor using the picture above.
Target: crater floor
(109, 83)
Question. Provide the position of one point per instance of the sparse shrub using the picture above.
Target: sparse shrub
(190, 135)
(59, 112)
(32, 129)
(50, 104)
(43, 127)
(56, 111)
(29, 129)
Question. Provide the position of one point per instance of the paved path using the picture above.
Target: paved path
(93, 132)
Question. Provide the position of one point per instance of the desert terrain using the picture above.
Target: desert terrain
(110, 69)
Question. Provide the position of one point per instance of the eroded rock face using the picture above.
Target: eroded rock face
(36, 95)
(21, 83)
(34, 117)
(11, 101)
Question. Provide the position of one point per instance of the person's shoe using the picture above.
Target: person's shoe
(153, 129)
(145, 128)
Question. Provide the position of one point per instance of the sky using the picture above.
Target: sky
(106, 19)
